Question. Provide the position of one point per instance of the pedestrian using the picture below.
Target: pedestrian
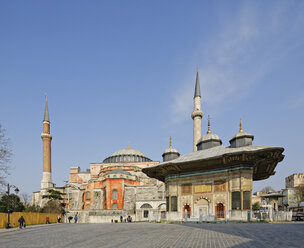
(121, 219)
(58, 219)
(47, 219)
(21, 222)
(75, 218)
(70, 218)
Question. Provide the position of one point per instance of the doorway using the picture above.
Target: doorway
(220, 210)
(187, 207)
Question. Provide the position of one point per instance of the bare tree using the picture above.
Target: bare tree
(267, 189)
(5, 156)
(25, 199)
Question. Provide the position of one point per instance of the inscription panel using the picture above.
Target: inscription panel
(203, 188)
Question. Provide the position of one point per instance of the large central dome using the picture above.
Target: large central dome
(127, 155)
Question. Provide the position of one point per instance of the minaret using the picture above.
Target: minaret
(197, 113)
(46, 150)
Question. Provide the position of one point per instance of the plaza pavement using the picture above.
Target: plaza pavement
(144, 235)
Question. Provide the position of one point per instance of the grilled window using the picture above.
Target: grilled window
(167, 204)
(173, 203)
(236, 200)
(246, 200)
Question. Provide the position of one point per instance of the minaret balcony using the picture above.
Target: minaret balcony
(196, 113)
(46, 135)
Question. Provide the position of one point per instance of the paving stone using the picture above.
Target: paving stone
(144, 235)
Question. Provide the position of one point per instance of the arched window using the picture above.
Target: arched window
(146, 205)
(88, 195)
(114, 206)
(114, 194)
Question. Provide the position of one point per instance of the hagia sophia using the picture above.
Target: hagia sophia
(214, 182)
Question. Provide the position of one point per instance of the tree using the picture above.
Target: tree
(54, 205)
(256, 206)
(33, 209)
(53, 195)
(14, 202)
(25, 199)
(5, 156)
(267, 189)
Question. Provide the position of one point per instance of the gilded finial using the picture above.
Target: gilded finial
(241, 127)
(170, 142)
(209, 131)
(128, 145)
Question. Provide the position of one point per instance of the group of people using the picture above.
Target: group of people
(22, 224)
(129, 219)
(75, 218)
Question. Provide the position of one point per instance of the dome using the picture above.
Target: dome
(128, 151)
(170, 153)
(209, 140)
(209, 136)
(170, 150)
(127, 155)
(241, 138)
(242, 135)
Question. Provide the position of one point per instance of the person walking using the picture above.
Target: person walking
(21, 222)
(58, 219)
(75, 219)
(47, 219)
(70, 218)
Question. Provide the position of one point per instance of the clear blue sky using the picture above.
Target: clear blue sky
(124, 71)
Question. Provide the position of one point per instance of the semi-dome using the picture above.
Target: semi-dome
(127, 155)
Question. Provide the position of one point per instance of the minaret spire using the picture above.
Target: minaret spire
(170, 142)
(46, 111)
(241, 126)
(197, 91)
(197, 113)
(209, 131)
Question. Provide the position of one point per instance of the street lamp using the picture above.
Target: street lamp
(8, 203)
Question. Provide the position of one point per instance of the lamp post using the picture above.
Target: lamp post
(8, 202)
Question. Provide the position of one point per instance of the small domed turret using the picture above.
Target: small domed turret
(209, 140)
(241, 138)
(170, 153)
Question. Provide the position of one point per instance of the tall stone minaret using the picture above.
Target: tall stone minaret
(197, 113)
(46, 136)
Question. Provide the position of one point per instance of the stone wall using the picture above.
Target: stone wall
(295, 180)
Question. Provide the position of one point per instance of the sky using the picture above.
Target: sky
(119, 72)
